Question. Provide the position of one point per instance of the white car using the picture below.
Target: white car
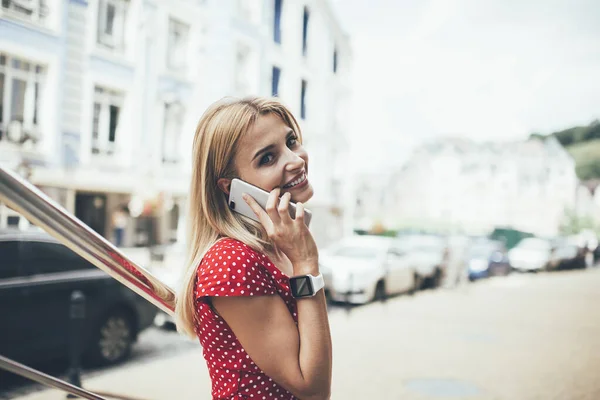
(531, 254)
(429, 254)
(360, 269)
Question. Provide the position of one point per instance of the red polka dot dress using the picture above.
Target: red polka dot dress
(231, 268)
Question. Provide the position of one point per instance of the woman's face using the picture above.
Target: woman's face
(271, 156)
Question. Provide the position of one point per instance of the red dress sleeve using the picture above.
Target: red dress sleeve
(231, 268)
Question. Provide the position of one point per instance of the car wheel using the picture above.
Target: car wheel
(416, 284)
(380, 291)
(436, 281)
(113, 339)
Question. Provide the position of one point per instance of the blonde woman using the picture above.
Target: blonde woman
(260, 339)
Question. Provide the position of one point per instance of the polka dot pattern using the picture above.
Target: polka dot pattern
(231, 268)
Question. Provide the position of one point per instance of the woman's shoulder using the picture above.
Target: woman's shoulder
(230, 252)
(228, 246)
(232, 268)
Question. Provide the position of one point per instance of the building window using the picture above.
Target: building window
(178, 45)
(277, 21)
(335, 60)
(107, 109)
(21, 84)
(303, 100)
(275, 81)
(173, 124)
(111, 23)
(29, 10)
(305, 31)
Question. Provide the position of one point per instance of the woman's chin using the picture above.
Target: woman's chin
(304, 196)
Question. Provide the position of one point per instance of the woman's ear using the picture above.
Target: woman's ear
(224, 184)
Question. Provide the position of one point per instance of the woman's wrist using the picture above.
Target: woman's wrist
(306, 268)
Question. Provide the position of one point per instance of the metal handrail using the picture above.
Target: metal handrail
(38, 208)
(44, 212)
(40, 377)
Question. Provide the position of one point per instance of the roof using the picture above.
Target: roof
(30, 234)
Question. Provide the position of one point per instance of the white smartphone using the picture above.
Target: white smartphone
(237, 203)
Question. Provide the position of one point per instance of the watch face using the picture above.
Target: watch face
(301, 286)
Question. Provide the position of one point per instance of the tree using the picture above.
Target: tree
(573, 223)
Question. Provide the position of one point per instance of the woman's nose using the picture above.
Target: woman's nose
(294, 161)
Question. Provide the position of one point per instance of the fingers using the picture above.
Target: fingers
(283, 209)
(272, 205)
(260, 213)
(300, 213)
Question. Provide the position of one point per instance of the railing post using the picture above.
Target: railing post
(76, 324)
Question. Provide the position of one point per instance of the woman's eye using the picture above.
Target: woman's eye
(266, 159)
(292, 141)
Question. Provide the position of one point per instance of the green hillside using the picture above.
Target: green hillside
(583, 143)
(587, 158)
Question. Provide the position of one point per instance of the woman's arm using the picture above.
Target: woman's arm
(297, 358)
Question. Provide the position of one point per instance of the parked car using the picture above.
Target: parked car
(37, 278)
(360, 269)
(488, 258)
(567, 254)
(531, 254)
(428, 254)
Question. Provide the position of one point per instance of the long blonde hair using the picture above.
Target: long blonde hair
(209, 217)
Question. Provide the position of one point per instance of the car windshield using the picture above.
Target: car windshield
(481, 251)
(421, 243)
(534, 244)
(363, 252)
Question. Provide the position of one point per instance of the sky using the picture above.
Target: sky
(481, 69)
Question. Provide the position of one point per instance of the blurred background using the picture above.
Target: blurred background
(450, 141)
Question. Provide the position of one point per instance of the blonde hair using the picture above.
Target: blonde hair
(209, 218)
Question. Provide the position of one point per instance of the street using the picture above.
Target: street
(525, 336)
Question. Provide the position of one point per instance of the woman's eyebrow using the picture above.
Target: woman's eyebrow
(263, 150)
(289, 133)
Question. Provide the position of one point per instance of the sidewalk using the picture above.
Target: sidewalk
(182, 377)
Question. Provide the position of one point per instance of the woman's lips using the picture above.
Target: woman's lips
(299, 186)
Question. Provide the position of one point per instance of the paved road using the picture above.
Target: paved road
(153, 344)
(521, 337)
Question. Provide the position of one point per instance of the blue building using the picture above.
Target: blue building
(100, 98)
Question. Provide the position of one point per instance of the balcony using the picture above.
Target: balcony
(20, 146)
(32, 11)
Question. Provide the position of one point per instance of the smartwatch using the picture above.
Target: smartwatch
(306, 285)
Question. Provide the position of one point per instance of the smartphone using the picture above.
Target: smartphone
(237, 203)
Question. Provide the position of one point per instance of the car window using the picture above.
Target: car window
(48, 257)
(9, 259)
(396, 252)
(356, 252)
(534, 244)
(482, 251)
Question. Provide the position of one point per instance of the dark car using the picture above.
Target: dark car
(566, 254)
(487, 258)
(37, 277)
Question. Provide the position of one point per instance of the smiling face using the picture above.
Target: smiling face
(271, 156)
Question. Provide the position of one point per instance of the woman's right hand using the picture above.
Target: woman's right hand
(291, 236)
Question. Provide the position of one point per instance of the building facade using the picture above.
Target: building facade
(457, 185)
(100, 98)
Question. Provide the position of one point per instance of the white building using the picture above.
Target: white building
(105, 95)
(460, 185)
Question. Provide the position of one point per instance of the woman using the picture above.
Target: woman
(258, 340)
